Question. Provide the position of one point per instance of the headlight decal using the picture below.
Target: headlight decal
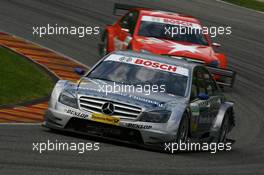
(161, 116)
(68, 99)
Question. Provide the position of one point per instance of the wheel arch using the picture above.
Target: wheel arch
(58, 88)
(177, 114)
(225, 108)
(189, 115)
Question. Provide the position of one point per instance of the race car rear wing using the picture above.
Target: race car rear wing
(229, 76)
(125, 7)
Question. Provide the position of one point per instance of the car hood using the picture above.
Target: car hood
(180, 49)
(93, 87)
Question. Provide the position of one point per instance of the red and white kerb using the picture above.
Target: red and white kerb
(149, 64)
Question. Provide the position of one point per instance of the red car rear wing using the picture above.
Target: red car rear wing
(126, 7)
(229, 76)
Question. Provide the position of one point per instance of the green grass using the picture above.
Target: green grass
(253, 4)
(20, 79)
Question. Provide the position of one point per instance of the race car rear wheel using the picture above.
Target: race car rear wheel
(224, 129)
(183, 129)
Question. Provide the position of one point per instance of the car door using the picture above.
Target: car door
(215, 96)
(125, 30)
(200, 102)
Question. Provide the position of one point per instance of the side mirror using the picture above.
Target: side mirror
(203, 96)
(216, 44)
(79, 71)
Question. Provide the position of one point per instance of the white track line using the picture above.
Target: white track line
(240, 6)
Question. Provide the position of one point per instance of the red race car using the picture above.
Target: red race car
(160, 32)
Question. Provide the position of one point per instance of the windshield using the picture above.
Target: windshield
(164, 31)
(127, 73)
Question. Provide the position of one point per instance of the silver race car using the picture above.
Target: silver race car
(143, 99)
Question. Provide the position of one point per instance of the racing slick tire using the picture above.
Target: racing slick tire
(224, 129)
(183, 130)
(103, 46)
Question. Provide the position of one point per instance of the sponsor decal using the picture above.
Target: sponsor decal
(157, 65)
(138, 126)
(195, 109)
(149, 64)
(76, 114)
(102, 118)
(170, 21)
(126, 59)
(146, 100)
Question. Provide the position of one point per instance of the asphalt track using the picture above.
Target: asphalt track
(244, 48)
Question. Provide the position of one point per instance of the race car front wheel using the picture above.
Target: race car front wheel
(183, 129)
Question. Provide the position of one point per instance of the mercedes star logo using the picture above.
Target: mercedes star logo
(108, 108)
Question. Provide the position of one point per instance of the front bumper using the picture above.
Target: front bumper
(60, 121)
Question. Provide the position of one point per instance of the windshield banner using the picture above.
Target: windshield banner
(170, 21)
(149, 64)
